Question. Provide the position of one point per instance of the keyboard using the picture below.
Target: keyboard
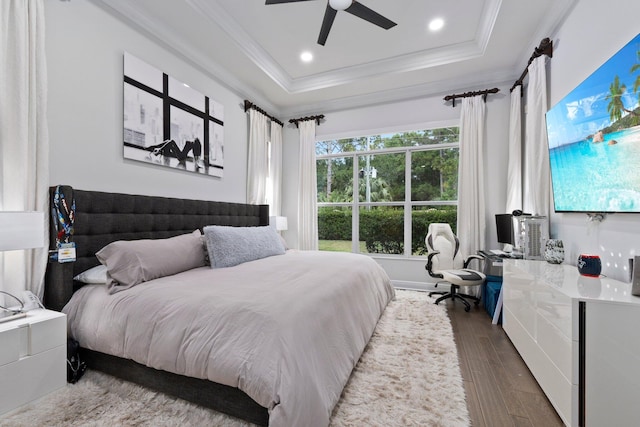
(498, 252)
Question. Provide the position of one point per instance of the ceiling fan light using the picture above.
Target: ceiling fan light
(340, 4)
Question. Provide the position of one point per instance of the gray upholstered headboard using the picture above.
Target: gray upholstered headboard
(102, 218)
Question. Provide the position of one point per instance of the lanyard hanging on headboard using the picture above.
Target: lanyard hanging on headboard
(64, 212)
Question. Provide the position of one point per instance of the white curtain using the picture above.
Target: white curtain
(514, 168)
(274, 187)
(307, 189)
(257, 166)
(24, 140)
(471, 212)
(536, 167)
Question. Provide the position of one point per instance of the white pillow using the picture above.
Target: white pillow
(95, 275)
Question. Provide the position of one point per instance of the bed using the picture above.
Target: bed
(272, 340)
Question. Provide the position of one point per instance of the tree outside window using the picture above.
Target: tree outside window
(402, 182)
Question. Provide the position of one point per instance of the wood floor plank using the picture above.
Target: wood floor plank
(500, 389)
(473, 405)
(512, 402)
(540, 411)
(521, 422)
(494, 410)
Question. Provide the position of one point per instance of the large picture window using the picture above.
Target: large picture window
(377, 194)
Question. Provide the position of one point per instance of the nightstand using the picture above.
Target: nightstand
(33, 357)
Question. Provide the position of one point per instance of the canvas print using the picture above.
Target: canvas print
(168, 123)
(594, 139)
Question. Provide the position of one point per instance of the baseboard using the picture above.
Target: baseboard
(418, 286)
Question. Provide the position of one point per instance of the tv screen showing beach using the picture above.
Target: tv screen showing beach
(594, 139)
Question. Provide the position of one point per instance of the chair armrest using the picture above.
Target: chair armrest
(471, 258)
(429, 265)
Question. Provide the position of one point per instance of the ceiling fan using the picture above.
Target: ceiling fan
(351, 6)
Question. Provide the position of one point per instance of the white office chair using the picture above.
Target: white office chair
(445, 262)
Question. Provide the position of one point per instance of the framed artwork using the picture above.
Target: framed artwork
(168, 123)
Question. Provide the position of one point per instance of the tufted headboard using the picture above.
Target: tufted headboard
(102, 218)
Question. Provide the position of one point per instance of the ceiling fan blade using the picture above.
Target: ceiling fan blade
(367, 14)
(283, 1)
(327, 22)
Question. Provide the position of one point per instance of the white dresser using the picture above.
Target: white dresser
(33, 357)
(580, 337)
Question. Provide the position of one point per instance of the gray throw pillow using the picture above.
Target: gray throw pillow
(229, 246)
(131, 262)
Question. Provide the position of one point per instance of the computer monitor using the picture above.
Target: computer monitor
(504, 228)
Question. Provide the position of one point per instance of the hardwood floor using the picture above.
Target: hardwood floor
(499, 387)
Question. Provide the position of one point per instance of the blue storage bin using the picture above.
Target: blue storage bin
(490, 294)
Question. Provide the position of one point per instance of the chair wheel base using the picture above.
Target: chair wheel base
(453, 294)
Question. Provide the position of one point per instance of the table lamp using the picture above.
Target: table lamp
(278, 222)
(21, 230)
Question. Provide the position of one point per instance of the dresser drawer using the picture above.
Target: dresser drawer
(15, 343)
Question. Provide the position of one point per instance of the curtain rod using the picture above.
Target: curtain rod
(249, 104)
(470, 94)
(304, 119)
(545, 48)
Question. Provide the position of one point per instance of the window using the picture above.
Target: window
(378, 194)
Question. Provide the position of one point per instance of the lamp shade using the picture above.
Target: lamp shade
(278, 222)
(21, 230)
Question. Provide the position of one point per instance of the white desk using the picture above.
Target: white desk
(580, 338)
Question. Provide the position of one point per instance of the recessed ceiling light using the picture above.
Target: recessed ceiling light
(436, 24)
(306, 57)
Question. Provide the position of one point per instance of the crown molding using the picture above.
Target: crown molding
(128, 12)
(399, 64)
(557, 15)
(439, 88)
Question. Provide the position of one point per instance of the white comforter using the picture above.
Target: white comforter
(287, 330)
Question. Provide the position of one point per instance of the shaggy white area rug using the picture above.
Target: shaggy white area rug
(408, 375)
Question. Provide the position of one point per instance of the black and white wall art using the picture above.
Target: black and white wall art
(168, 123)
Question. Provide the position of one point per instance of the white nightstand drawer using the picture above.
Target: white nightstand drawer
(15, 344)
(47, 333)
(33, 357)
(32, 377)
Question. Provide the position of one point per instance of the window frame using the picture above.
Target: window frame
(407, 204)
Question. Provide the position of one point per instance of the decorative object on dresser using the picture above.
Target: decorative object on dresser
(408, 375)
(589, 265)
(554, 251)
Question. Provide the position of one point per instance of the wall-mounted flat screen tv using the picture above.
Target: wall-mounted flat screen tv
(594, 139)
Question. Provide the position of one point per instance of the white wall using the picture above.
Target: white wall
(409, 115)
(85, 47)
(593, 32)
